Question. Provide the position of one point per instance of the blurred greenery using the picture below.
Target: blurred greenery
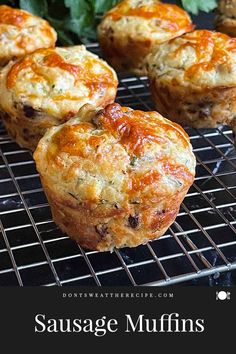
(76, 20)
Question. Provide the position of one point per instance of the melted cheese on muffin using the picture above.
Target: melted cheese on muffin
(57, 81)
(201, 58)
(115, 177)
(22, 32)
(129, 31)
(117, 156)
(148, 19)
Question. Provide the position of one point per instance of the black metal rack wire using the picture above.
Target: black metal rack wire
(202, 240)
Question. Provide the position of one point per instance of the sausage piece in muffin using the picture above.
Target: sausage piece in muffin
(193, 79)
(22, 33)
(226, 17)
(115, 177)
(129, 31)
(48, 87)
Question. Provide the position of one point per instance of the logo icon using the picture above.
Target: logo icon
(222, 295)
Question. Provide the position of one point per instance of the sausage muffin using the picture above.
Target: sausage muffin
(115, 177)
(193, 79)
(22, 33)
(129, 31)
(226, 17)
(48, 87)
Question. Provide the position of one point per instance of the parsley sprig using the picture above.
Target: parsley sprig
(194, 6)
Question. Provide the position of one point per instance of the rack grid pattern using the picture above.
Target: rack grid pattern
(202, 240)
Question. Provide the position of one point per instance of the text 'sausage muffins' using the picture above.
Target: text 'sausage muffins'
(48, 87)
(226, 17)
(129, 31)
(193, 79)
(115, 177)
(21, 33)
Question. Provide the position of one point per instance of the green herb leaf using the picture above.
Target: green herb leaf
(78, 8)
(194, 6)
(101, 6)
(39, 8)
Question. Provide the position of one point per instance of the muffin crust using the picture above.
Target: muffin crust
(22, 33)
(115, 177)
(130, 30)
(48, 87)
(193, 79)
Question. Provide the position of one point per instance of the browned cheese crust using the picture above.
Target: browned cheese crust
(115, 177)
(130, 30)
(48, 87)
(193, 79)
(22, 33)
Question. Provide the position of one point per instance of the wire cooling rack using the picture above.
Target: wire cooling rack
(202, 240)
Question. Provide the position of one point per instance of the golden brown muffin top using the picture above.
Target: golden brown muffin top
(50, 58)
(117, 155)
(202, 58)
(16, 23)
(14, 17)
(59, 80)
(170, 18)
